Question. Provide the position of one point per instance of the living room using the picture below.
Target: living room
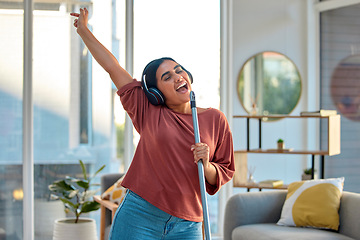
(68, 124)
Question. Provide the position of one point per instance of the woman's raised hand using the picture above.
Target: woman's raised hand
(82, 18)
(102, 55)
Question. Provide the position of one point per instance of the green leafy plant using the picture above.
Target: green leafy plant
(308, 171)
(280, 140)
(75, 193)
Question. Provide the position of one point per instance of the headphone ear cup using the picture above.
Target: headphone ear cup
(155, 96)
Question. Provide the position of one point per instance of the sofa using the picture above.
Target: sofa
(254, 215)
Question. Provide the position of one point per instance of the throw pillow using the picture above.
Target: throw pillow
(115, 193)
(313, 203)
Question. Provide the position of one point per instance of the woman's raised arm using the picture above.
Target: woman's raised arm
(102, 55)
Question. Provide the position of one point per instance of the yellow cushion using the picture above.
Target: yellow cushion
(115, 193)
(313, 203)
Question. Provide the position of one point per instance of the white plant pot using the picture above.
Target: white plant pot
(66, 228)
(46, 212)
(306, 177)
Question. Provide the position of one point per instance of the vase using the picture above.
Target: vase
(281, 145)
(251, 180)
(66, 228)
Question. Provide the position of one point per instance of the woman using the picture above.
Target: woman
(163, 199)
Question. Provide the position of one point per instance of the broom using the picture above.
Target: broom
(200, 168)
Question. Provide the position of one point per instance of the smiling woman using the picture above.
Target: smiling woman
(160, 112)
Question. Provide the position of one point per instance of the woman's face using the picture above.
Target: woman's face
(173, 82)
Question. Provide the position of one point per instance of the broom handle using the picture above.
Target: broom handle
(200, 168)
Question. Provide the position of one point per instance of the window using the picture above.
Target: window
(340, 87)
(71, 120)
(72, 95)
(11, 87)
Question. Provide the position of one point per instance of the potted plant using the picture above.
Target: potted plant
(307, 174)
(280, 144)
(77, 198)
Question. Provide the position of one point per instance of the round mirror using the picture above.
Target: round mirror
(269, 83)
(345, 87)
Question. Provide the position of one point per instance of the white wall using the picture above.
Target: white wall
(281, 26)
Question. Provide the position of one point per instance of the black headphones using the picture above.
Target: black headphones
(153, 94)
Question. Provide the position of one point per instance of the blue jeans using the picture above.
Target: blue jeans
(137, 219)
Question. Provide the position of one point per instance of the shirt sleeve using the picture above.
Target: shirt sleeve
(134, 102)
(223, 159)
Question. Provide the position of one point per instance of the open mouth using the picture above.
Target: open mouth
(182, 87)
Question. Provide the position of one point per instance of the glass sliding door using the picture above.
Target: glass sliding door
(61, 111)
(340, 87)
(72, 107)
(72, 94)
(73, 116)
(11, 88)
